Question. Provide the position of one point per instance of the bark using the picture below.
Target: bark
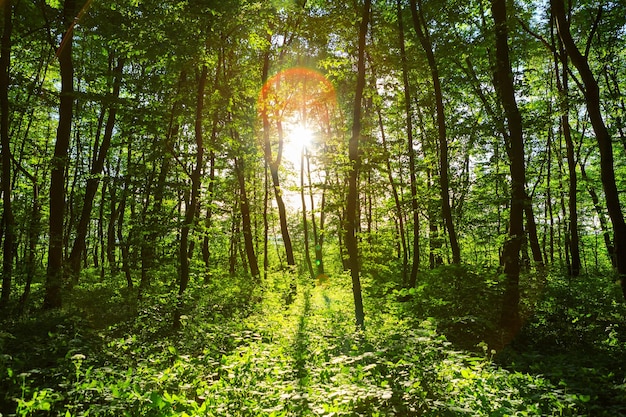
(317, 238)
(603, 138)
(604, 227)
(94, 178)
(7, 213)
(54, 275)
(561, 71)
(305, 223)
(397, 202)
(510, 319)
(352, 217)
(191, 204)
(266, 225)
(34, 230)
(444, 183)
(246, 223)
(531, 228)
(411, 152)
(274, 165)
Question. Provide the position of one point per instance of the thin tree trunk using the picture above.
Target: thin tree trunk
(444, 183)
(274, 165)
(531, 228)
(34, 229)
(124, 241)
(94, 179)
(397, 202)
(54, 275)
(266, 195)
(317, 239)
(7, 213)
(562, 82)
(192, 203)
(305, 223)
(604, 227)
(510, 319)
(244, 206)
(411, 152)
(603, 138)
(352, 217)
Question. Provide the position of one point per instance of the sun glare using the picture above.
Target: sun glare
(299, 137)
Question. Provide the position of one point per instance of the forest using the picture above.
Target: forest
(313, 208)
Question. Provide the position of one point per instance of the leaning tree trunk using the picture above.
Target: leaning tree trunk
(397, 202)
(510, 319)
(94, 179)
(605, 146)
(444, 183)
(274, 165)
(352, 217)
(54, 275)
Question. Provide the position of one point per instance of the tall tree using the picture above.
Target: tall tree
(603, 138)
(561, 69)
(274, 163)
(421, 28)
(191, 204)
(78, 248)
(5, 146)
(510, 321)
(352, 217)
(54, 275)
(410, 150)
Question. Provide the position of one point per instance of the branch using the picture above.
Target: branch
(594, 28)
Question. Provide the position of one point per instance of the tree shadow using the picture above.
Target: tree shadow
(301, 355)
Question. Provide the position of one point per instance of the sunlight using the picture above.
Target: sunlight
(299, 137)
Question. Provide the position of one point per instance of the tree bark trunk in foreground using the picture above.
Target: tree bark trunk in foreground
(353, 192)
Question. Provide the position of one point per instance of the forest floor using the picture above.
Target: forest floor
(289, 348)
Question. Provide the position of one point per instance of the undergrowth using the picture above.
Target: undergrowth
(285, 347)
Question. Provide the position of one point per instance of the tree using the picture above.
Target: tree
(54, 276)
(603, 138)
(410, 151)
(423, 35)
(7, 214)
(352, 217)
(75, 258)
(510, 321)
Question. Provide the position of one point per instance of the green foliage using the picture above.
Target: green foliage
(242, 351)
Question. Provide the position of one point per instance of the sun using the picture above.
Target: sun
(299, 137)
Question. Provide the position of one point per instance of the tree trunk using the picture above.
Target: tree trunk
(605, 146)
(7, 213)
(562, 82)
(317, 237)
(531, 227)
(510, 319)
(245, 218)
(397, 202)
(411, 152)
(444, 183)
(54, 275)
(192, 203)
(604, 227)
(274, 165)
(94, 178)
(352, 217)
(305, 223)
